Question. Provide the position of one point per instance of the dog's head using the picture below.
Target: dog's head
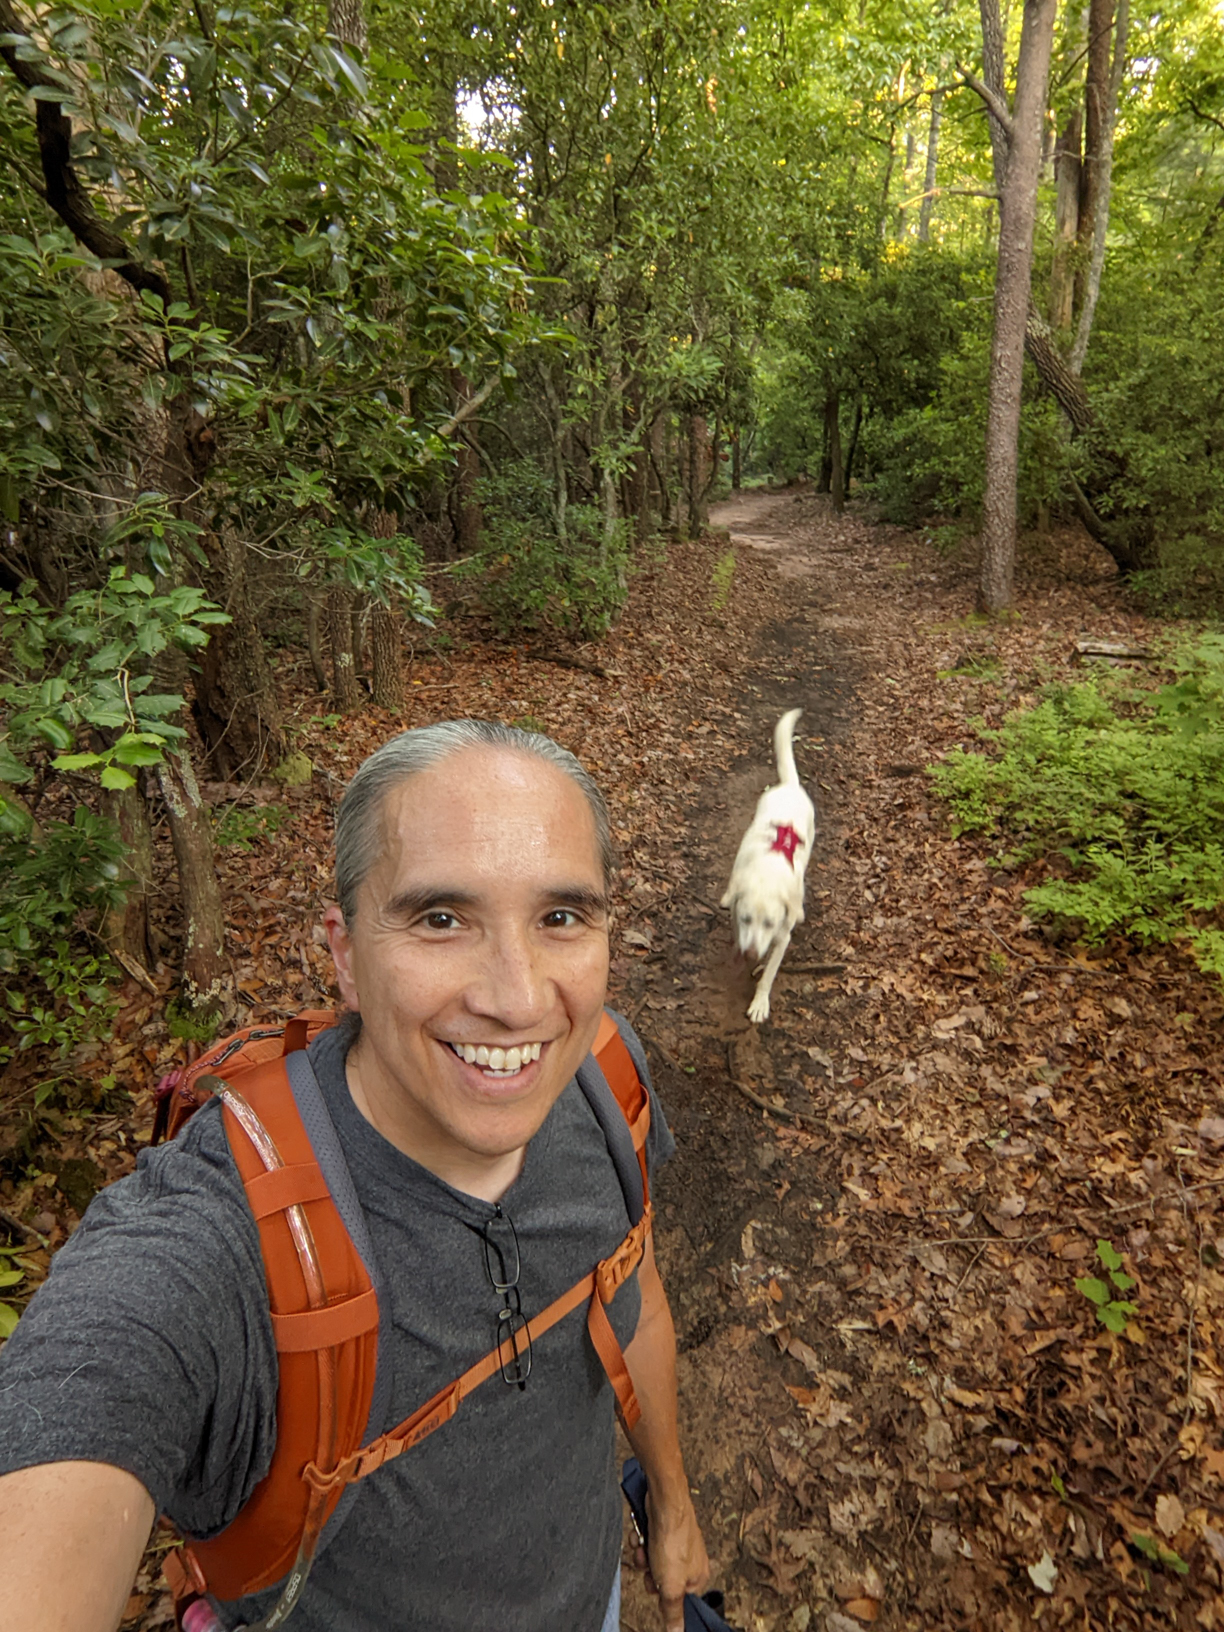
(760, 917)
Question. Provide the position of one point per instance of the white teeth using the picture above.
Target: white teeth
(507, 1061)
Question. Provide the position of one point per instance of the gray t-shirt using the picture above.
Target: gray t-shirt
(150, 1347)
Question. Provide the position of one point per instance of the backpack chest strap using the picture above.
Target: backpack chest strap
(595, 1290)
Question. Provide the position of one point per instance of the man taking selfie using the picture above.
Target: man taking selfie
(446, 1187)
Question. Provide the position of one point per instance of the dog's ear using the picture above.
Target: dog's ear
(728, 900)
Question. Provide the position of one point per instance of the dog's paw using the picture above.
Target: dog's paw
(758, 1009)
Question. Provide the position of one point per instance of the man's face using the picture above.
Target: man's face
(482, 927)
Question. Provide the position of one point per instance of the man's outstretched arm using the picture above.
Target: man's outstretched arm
(678, 1562)
(71, 1536)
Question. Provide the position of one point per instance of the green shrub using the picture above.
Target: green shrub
(528, 577)
(236, 828)
(1153, 375)
(1125, 787)
(55, 886)
(932, 458)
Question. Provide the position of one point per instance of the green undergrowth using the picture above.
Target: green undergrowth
(1119, 789)
(56, 885)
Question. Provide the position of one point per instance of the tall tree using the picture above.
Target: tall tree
(1016, 134)
(1067, 167)
(932, 165)
(1110, 92)
(1097, 122)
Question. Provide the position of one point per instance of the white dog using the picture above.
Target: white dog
(766, 889)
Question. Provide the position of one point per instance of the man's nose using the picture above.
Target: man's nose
(511, 984)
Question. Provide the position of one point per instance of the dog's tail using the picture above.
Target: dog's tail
(784, 752)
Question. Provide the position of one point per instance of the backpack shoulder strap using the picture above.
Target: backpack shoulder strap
(615, 1090)
(325, 1321)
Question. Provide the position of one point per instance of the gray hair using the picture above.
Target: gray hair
(357, 830)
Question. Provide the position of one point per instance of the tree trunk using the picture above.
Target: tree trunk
(386, 638)
(469, 519)
(345, 695)
(346, 20)
(358, 611)
(203, 925)
(657, 446)
(993, 73)
(386, 631)
(932, 162)
(699, 475)
(236, 705)
(607, 488)
(1092, 282)
(1102, 502)
(555, 430)
(837, 470)
(1096, 101)
(1067, 391)
(126, 930)
(637, 475)
(314, 639)
(737, 462)
(886, 184)
(1067, 170)
(855, 429)
(1012, 283)
(682, 462)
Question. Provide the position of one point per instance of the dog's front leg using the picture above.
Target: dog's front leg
(759, 1008)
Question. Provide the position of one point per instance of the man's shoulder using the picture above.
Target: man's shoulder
(193, 1174)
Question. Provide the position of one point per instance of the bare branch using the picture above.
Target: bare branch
(472, 405)
(951, 192)
(995, 106)
(64, 192)
(1201, 113)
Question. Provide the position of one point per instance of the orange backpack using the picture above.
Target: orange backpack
(324, 1304)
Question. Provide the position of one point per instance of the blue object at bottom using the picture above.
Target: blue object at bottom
(612, 1618)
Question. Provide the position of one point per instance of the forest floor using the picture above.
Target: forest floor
(897, 1406)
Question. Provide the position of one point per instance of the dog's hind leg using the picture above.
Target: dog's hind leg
(758, 1009)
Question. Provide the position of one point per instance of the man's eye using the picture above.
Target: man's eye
(560, 918)
(440, 920)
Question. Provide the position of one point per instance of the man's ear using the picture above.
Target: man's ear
(341, 944)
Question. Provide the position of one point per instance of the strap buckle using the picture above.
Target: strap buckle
(615, 1270)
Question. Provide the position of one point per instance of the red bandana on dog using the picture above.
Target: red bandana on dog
(786, 843)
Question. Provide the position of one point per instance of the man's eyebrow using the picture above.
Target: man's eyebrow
(428, 898)
(580, 896)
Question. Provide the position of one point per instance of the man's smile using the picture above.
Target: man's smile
(496, 1061)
